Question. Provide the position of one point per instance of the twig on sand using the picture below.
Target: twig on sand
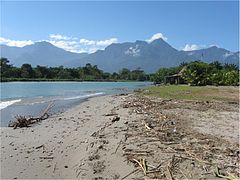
(170, 167)
(135, 170)
(55, 167)
(170, 173)
(111, 114)
(120, 142)
(183, 174)
(39, 146)
(46, 157)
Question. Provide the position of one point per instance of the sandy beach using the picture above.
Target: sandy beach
(107, 137)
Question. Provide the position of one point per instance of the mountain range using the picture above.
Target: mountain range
(140, 54)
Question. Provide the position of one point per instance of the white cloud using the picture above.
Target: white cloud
(87, 42)
(67, 43)
(157, 36)
(107, 42)
(16, 43)
(93, 49)
(61, 37)
(191, 47)
(83, 45)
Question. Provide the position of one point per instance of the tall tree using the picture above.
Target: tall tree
(27, 71)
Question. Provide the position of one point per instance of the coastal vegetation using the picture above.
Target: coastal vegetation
(199, 73)
(87, 73)
(196, 73)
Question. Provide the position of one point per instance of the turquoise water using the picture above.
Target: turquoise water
(14, 90)
(30, 98)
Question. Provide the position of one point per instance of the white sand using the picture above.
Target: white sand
(68, 142)
(83, 143)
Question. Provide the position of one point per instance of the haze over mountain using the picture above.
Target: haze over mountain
(40, 53)
(148, 56)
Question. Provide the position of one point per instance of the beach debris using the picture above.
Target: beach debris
(41, 146)
(98, 167)
(23, 121)
(122, 94)
(132, 172)
(160, 136)
(94, 157)
(111, 114)
(116, 118)
(46, 157)
(118, 146)
(218, 174)
(148, 126)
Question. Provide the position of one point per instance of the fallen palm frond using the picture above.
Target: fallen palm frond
(143, 164)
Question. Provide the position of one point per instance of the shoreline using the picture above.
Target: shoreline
(88, 141)
(67, 80)
(66, 138)
(33, 108)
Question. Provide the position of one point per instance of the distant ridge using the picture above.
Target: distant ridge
(140, 54)
(39, 53)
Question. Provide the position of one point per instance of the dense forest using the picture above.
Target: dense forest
(199, 73)
(87, 73)
(195, 73)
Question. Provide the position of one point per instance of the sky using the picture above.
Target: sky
(80, 26)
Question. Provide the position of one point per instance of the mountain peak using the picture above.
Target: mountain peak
(213, 47)
(159, 40)
(43, 43)
(160, 43)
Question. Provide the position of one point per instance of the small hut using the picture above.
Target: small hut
(175, 78)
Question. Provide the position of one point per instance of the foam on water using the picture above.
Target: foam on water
(84, 96)
(4, 104)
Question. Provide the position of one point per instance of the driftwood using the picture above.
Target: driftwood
(23, 121)
(111, 114)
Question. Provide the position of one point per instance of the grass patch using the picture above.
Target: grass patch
(202, 93)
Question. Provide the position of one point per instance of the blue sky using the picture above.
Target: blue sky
(88, 26)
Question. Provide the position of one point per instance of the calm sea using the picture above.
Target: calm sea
(31, 98)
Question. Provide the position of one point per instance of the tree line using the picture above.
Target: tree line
(199, 73)
(196, 73)
(87, 73)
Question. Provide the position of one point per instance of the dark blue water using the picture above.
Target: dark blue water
(31, 98)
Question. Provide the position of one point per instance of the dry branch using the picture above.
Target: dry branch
(23, 121)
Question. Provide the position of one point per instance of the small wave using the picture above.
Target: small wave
(84, 96)
(4, 104)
